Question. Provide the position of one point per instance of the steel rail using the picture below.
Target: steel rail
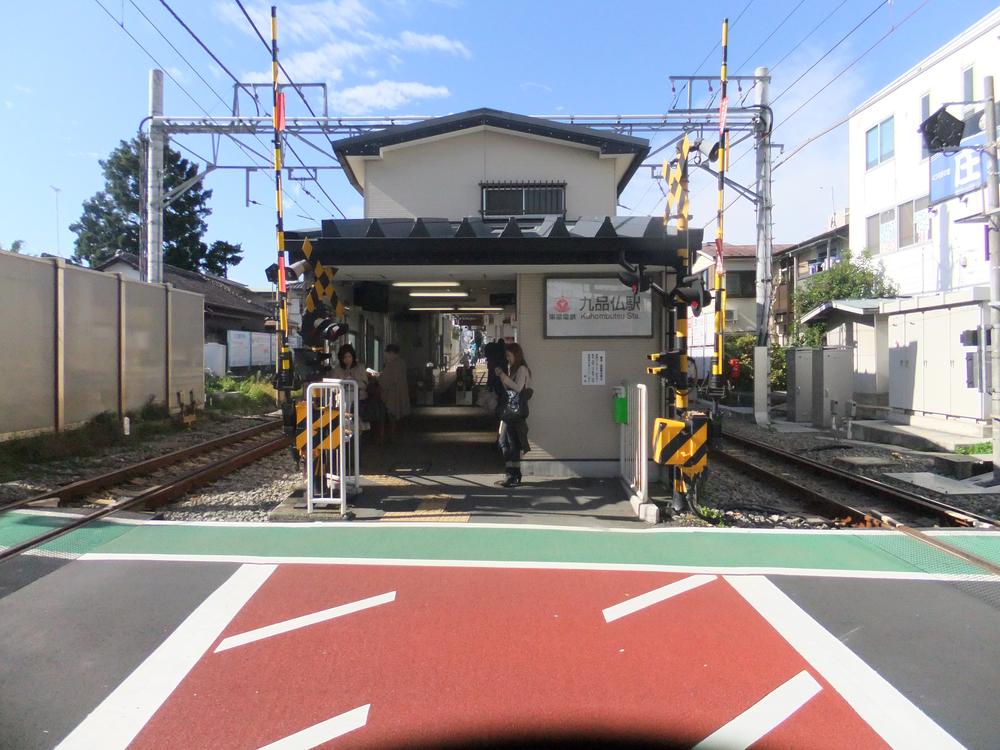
(111, 478)
(953, 515)
(159, 495)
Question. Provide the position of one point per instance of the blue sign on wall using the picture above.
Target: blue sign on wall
(960, 172)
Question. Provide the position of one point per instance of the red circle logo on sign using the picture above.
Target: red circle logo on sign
(562, 305)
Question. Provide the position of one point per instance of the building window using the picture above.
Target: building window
(914, 222)
(968, 93)
(871, 233)
(887, 231)
(523, 199)
(879, 145)
(925, 112)
(741, 284)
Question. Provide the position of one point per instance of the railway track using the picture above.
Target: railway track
(149, 484)
(875, 504)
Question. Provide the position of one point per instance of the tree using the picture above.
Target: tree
(220, 256)
(15, 246)
(851, 278)
(112, 218)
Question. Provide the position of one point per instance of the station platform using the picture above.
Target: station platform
(410, 634)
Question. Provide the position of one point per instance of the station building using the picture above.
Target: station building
(513, 219)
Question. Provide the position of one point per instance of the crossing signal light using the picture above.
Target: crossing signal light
(637, 281)
(692, 292)
(942, 132)
(709, 150)
(668, 365)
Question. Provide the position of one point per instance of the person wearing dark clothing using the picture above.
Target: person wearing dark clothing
(495, 353)
(513, 435)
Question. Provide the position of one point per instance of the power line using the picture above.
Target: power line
(159, 65)
(298, 91)
(210, 53)
(239, 84)
(826, 54)
(677, 95)
(179, 53)
(836, 77)
(812, 31)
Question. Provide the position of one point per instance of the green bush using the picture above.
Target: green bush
(248, 395)
(741, 347)
(976, 449)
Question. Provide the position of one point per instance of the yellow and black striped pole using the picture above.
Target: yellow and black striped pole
(680, 306)
(716, 383)
(284, 381)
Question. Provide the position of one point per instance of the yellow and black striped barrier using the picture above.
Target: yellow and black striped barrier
(682, 443)
(324, 431)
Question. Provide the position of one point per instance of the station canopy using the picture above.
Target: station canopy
(407, 248)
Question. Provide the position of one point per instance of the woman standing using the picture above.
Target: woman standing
(348, 368)
(513, 422)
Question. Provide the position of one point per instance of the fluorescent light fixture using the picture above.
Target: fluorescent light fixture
(432, 309)
(426, 283)
(480, 309)
(439, 294)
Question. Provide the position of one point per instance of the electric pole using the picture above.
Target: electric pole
(57, 191)
(761, 356)
(992, 216)
(154, 181)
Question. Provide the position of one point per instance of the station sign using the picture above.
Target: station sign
(596, 308)
(956, 173)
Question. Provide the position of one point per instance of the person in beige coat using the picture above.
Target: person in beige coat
(395, 386)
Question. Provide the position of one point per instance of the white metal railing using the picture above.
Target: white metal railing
(333, 448)
(634, 437)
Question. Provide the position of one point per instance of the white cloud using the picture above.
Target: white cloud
(529, 85)
(307, 21)
(22, 89)
(383, 96)
(8, 104)
(176, 72)
(409, 40)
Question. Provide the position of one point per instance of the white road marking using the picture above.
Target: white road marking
(655, 596)
(893, 575)
(769, 712)
(123, 714)
(325, 731)
(897, 721)
(300, 622)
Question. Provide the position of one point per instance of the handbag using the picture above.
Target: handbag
(517, 405)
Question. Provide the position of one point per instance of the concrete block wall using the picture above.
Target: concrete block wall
(78, 342)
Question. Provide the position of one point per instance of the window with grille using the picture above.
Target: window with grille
(914, 222)
(741, 284)
(524, 199)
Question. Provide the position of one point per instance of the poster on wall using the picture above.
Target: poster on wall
(596, 308)
(260, 349)
(237, 349)
(594, 368)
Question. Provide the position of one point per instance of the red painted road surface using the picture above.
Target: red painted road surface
(465, 653)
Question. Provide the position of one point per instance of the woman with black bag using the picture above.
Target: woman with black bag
(513, 437)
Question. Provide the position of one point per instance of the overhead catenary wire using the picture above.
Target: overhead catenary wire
(297, 90)
(246, 149)
(243, 86)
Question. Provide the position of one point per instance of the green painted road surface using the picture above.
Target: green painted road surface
(986, 546)
(867, 551)
(20, 526)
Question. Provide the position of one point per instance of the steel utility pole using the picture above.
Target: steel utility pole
(761, 356)
(154, 181)
(993, 217)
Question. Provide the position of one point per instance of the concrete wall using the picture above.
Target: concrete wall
(79, 342)
(953, 256)
(572, 423)
(440, 177)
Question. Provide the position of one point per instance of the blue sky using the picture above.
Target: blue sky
(76, 84)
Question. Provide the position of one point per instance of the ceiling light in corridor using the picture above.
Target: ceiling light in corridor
(439, 294)
(426, 283)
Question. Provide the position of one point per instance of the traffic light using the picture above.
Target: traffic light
(709, 150)
(691, 291)
(668, 365)
(633, 277)
(636, 280)
(942, 132)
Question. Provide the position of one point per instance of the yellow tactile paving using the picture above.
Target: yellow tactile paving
(431, 508)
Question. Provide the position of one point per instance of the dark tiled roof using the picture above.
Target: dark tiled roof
(370, 144)
(220, 294)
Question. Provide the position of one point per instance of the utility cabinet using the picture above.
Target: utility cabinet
(832, 384)
(800, 383)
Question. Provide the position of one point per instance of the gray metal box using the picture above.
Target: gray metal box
(800, 383)
(833, 384)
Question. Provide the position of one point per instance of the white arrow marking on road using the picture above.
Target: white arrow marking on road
(300, 622)
(763, 716)
(325, 731)
(656, 596)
